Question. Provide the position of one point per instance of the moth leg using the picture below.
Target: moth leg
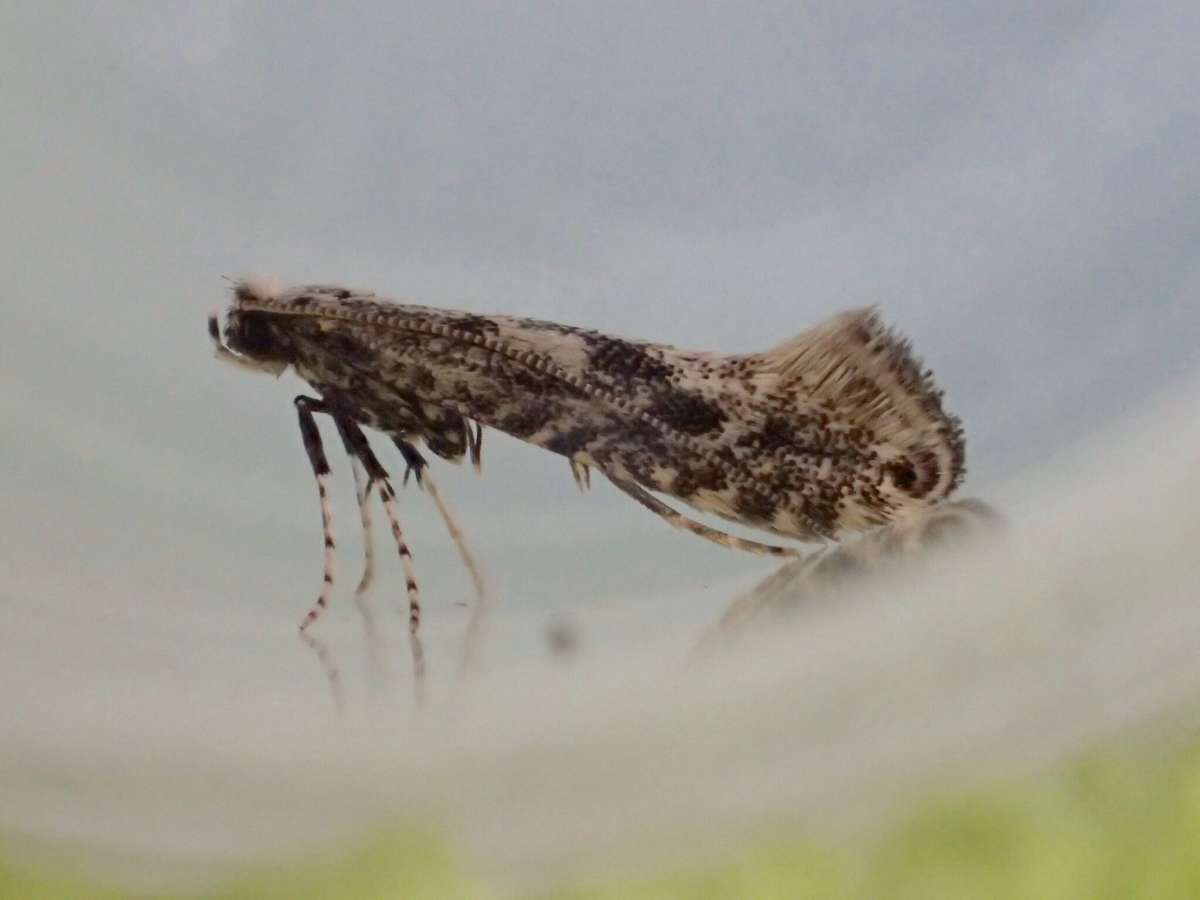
(417, 464)
(677, 519)
(362, 491)
(363, 485)
(582, 474)
(474, 444)
(420, 467)
(357, 446)
(332, 674)
(360, 449)
(305, 407)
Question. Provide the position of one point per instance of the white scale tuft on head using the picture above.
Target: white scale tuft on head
(257, 287)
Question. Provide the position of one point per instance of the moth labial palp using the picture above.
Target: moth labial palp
(835, 431)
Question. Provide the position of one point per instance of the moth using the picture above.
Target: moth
(832, 432)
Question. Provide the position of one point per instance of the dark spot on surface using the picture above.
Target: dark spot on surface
(527, 418)
(685, 412)
(690, 479)
(571, 441)
(926, 462)
(562, 638)
(860, 333)
(755, 505)
(345, 347)
(621, 359)
(483, 406)
(903, 475)
(647, 437)
(777, 433)
(422, 378)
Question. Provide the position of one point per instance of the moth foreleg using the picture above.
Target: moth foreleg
(311, 435)
(678, 520)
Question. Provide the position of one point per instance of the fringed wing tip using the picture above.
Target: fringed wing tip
(869, 376)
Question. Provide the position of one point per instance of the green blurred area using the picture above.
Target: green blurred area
(1119, 825)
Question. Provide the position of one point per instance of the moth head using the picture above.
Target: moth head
(253, 337)
(256, 337)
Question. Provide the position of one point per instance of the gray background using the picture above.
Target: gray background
(1016, 185)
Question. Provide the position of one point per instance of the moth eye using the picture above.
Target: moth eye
(256, 337)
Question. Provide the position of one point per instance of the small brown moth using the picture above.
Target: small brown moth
(832, 432)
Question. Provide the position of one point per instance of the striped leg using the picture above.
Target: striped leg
(363, 484)
(656, 506)
(363, 487)
(388, 496)
(359, 448)
(305, 407)
(410, 578)
(417, 464)
(332, 674)
(418, 658)
(356, 443)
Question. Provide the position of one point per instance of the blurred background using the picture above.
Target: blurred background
(1016, 185)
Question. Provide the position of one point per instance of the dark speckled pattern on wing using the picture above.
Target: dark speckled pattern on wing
(833, 432)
